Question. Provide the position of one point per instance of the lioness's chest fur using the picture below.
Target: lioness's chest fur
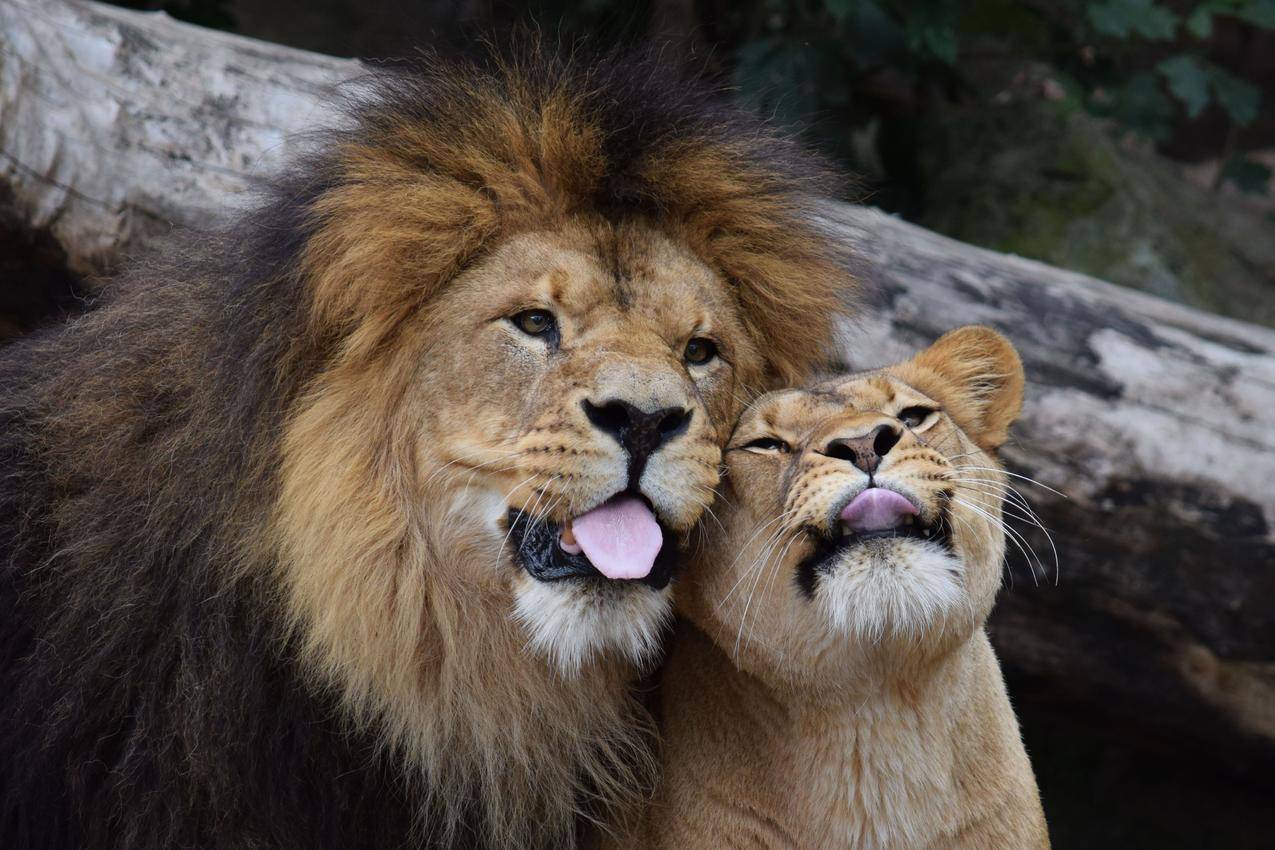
(894, 771)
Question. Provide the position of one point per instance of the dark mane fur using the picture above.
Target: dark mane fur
(148, 694)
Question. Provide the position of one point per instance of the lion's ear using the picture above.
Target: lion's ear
(977, 375)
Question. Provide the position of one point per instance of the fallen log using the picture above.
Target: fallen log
(1152, 425)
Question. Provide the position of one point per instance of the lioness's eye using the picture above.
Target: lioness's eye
(767, 444)
(913, 417)
(533, 322)
(699, 351)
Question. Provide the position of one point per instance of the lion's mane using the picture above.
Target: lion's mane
(154, 689)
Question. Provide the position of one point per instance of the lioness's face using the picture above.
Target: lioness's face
(861, 515)
(576, 390)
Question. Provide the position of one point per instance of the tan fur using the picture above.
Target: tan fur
(869, 713)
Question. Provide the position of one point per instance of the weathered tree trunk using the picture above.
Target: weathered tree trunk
(1157, 422)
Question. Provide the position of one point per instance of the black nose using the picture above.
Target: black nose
(865, 452)
(638, 432)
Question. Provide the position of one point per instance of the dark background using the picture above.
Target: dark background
(1130, 139)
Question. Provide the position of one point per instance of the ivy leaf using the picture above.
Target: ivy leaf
(1240, 99)
(1120, 18)
(1189, 82)
(1249, 177)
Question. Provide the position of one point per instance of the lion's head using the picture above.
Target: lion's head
(862, 517)
(546, 290)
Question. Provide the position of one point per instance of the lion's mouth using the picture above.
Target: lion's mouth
(874, 517)
(620, 540)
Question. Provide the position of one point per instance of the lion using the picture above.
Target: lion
(308, 530)
(833, 684)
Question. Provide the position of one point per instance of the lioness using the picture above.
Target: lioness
(835, 686)
(305, 526)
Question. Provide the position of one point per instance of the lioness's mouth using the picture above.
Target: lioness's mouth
(875, 514)
(620, 540)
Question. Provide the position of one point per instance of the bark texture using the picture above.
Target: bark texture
(1155, 422)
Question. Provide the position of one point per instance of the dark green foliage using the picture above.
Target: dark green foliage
(216, 14)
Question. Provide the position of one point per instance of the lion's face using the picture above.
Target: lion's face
(863, 513)
(582, 375)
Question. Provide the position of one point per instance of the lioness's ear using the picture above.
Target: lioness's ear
(978, 377)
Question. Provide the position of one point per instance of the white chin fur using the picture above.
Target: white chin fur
(895, 588)
(570, 623)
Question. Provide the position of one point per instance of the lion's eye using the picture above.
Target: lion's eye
(533, 322)
(767, 444)
(699, 351)
(915, 417)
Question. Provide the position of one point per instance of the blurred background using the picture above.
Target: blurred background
(1128, 139)
(1133, 140)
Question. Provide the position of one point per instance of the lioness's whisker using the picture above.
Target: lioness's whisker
(709, 509)
(744, 549)
(1017, 500)
(1026, 478)
(755, 571)
(1012, 535)
(747, 573)
(774, 571)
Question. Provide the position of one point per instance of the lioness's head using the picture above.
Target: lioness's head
(862, 514)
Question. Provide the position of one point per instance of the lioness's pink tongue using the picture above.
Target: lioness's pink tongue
(620, 537)
(876, 509)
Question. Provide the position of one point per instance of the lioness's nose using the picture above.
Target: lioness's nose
(639, 432)
(866, 450)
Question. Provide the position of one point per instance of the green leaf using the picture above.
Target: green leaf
(1108, 19)
(1240, 99)
(839, 9)
(1188, 80)
(1252, 178)
(1120, 18)
(1260, 13)
(1142, 106)
(1200, 22)
(942, 43)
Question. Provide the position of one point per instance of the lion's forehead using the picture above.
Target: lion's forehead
(598, 275)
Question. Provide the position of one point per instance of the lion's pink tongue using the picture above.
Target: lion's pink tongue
(876, 509)
(620, 537)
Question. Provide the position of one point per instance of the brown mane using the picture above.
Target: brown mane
(527, 143)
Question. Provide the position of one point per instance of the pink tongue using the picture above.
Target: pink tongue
(876, 509)
(619, 537)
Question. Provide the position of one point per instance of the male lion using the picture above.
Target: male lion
(306, 531)
(834, 687)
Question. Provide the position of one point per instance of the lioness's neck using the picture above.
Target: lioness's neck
(897, 764)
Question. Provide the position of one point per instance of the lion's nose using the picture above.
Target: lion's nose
(866, 450)
(639, 432)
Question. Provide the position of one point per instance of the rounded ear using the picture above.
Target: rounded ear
(978, 377)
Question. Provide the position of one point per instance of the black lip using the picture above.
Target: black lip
(536, 549)
(828, 544)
